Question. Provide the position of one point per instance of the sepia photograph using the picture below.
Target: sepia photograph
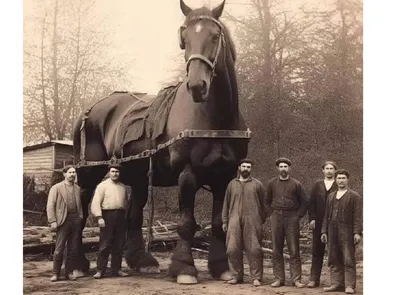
(193, 147)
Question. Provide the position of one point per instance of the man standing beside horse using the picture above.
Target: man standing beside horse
(243, 215)
(288, 201)
(316, 211)
(341, 229)
(64, 213)
(109, 206)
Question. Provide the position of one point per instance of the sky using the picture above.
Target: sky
(145, 31)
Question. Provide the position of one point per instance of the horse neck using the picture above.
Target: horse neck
(223, 99)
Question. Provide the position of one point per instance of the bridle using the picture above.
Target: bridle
(221, 43)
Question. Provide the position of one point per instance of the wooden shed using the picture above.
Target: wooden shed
(42, 160)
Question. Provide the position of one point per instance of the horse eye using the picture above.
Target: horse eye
(215, 37)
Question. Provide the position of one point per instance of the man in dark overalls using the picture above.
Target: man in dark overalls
(341, 229)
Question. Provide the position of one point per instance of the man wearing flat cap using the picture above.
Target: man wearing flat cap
(316, 211)
(109, 206)
(287, 200)
(243, 215)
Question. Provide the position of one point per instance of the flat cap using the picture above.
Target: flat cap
(114, 165)
(283, 160)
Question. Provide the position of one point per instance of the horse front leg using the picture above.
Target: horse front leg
(182, 264)
(217, 258)
(136, 257)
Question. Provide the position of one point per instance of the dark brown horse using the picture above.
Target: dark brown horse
(207, 100)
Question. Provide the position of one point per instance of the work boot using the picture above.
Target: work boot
(298, 284)
(120, 273)
(333, 288)
(98, 275)
(70, 277)
(54, 278)
(256, 283)
(349, 290)
(78, 273)
(312, 284)
(277, 283)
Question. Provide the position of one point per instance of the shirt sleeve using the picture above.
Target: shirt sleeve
(312, 203)
(303, 200)
(51, 205)
(357, 215)
(324, 229)
(261, 196)
(225, 208)
(268, 198)
(97, 201)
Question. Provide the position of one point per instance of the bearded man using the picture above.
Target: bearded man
(243, 215)
(287, 200)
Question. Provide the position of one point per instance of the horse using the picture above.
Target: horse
(206, 100)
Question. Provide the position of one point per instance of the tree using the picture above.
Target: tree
(66, 68)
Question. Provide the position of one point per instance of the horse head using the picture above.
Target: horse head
(202, 38)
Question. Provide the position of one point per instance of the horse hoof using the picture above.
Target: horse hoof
(150, 269)
(225, 276)
(78, 273)
(186, 280)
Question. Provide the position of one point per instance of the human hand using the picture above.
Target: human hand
(224, 227)
(101, 222)
(357, 238)
(53, 225)
(312, 224)
(324, 238)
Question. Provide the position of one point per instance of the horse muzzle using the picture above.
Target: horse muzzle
(198, 90)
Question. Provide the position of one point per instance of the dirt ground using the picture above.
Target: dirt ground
(37, 281)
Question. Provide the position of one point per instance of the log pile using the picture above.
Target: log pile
(41, 239)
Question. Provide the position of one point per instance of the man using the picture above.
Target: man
(64, 213)
(109, 206)
(342, 229)
(316, 211)
(287, 200)
(243, 216)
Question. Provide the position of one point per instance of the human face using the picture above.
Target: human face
(245, 170)
(70, 175)
(114, 174)
(283, 169)
(342, 181)
(329, 171)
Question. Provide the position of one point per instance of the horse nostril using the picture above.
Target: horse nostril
(203, 87)
(187, 86)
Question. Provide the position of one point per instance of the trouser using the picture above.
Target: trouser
(244, 235)
(341, 255)
(112, 239)
(318, 251)
(69, 232)
(286, 224)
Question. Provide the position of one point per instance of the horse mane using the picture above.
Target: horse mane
(192, 17)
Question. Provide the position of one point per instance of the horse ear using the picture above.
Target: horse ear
(217, 11)
(185, 9)
(180, 37)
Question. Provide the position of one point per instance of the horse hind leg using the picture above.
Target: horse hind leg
(182, 264)
(136, 257)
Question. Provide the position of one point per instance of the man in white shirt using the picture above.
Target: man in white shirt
(316, 211)
(109, 206)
